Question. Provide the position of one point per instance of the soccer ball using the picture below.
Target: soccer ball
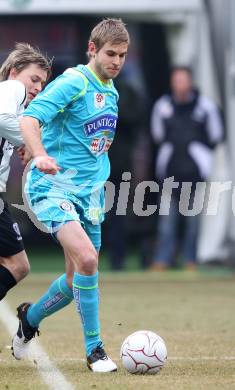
(143, 352)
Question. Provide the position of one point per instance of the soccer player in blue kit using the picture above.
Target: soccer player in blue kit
(65, 186)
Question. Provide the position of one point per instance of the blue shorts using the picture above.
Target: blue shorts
(54, 207)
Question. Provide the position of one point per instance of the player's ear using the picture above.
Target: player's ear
(92, 48)
(13, 73)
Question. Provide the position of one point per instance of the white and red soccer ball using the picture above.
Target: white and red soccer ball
(143, 352)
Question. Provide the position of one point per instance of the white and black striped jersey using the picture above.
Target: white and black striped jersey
(12, 101)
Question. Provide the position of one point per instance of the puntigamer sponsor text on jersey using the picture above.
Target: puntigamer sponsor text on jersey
(104, 122)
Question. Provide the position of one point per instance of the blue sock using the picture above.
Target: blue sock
(86, 296)
(57, 296)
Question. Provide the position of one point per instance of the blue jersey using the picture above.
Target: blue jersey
(78, 114)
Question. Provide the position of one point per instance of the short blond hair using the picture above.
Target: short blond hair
(109, 30)
(23, 56)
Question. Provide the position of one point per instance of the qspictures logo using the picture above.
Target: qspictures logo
(199, 198)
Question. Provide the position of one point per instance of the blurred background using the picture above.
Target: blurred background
(164, 33)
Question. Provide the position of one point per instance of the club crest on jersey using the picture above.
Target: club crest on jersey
(99, 100)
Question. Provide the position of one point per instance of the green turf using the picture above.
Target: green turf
(44, 260)
(192, 311)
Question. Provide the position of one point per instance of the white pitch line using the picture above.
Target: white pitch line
(37, 356)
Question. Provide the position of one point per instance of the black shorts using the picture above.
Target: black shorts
(11, 241)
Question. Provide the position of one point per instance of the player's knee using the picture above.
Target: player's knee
(21, 266)
(89, 262)
(17, 264)
(25, 268)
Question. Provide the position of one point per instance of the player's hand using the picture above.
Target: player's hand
(21, 151)
(24, 155)
(46, 164)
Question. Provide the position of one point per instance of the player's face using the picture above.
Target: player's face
(33, 77)
(181, 82)
(109, 60)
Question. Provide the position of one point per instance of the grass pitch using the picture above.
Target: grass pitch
(192, 311)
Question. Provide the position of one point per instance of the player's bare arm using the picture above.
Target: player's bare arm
(32, 136)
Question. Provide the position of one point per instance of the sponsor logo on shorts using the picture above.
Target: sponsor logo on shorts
(17, 230)
(66, 206)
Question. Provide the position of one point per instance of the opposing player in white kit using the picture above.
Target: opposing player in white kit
(22, 76)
